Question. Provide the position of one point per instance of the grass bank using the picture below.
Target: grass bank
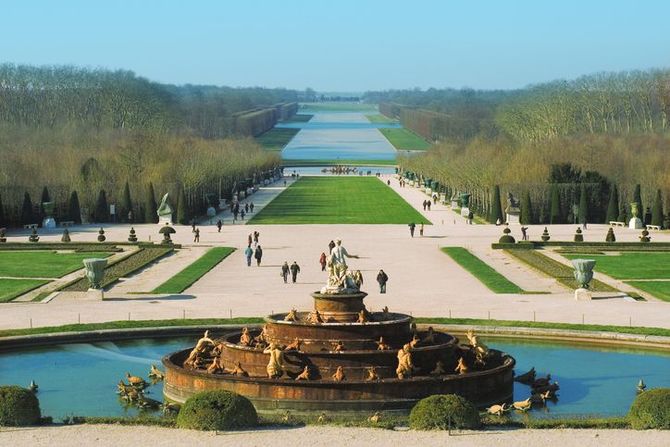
(12, 288)
(380, 119)
(184, 279)
(42, 263)
(496, 282)
(276, 138)
(405, 140)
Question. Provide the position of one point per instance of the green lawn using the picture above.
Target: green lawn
(630, 265)
(379, 118)
(405, 140)
(339, 162)
(184, 279)
(659, 289)
(482, 271)
(11, 288)
(338, 200)
(42, 263)
(276, 138)
(299, 118)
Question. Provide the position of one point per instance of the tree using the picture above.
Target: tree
(45, 195)
(27, 216)
(182, 208)
(637, 198)
(150, 207)
(127, 202)
(613, 206)
(526, 217)
(2, 213)
(496, 207)
(657, 211)
(555, 205)
(583, 205)
(101, 212)
(74, 211)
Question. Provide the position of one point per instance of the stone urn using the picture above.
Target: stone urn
(583, 275)
(95, 271)
(635, 223)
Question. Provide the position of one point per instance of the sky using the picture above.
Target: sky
(341, 45)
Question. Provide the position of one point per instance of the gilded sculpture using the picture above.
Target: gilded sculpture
(339, 374)
(405, 365)
(275, 366)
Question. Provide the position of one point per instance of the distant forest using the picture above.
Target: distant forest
(611, 129)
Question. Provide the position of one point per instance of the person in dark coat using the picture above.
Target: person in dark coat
(256, 236)
(258, 254)
(411, 226)
(331, 245)
(284, 271)
(251, 207)
(196, 237)
(242, 213)
(322, 261)
(382, 279)
(219, 224)
(295, 269)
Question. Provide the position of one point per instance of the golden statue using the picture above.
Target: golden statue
(339, 346)
(362, 317)
(215, 366)
(385, 309)
(439, 369)
(314, 317)
(239, 371)
(276, 364)
(429, 339)
(405, 365)
(136, 382)
(376, 417)
(481, 350)
(261, 340)
(294, 345)
(461, 368)
(415, 341)
(372, 374)
(156, 373)
(291, 316)
(523, 405)
(304, 375)
(381, 345)
(339, 375)
(497, 410)
(245, 338)
(202, 347)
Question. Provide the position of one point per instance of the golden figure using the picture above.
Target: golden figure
(381, 345)
(215, 366)
(304, 375)
(523, 405)
(136, 382)
(497, 410)
(261, 340)
(405, 365)
(245, 338)
(481, 350)
(339, 375)
(385, 309)
(239, 371)
(314, 317)
(276, 363)
(439, 369)
(203, 345)
(362, 317)
(461, 368)
(291, 316)
(294, 345)
(375, 417)
(414, 342)
(372, 374)
(339, 346)
(156, 373)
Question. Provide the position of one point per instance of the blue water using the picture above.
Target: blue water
(80, 379)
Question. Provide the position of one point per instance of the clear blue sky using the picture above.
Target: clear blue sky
(341, 45)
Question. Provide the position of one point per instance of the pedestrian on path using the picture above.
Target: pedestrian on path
(421, 229)
(242, 213)
(424, 205)
(248, 252)
(196, 237)
(331, 245)
(434, 199)
(411, 226)
(524, 235)
(192, 225)
(256, 236)
(249, 239)
(219, 224)
(284, 271)
(258, 254)
(251, 207)
(382, 279)
(246, 208)
(322, 261)
(295, 269)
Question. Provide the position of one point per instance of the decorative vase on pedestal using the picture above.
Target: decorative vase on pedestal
(583, 274)
(95, 271)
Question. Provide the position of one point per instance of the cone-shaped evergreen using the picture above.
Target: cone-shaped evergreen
(101, 213)
(637, 197)
(555, 206)
(657, 211)
(45, 195)
(74, 211)
(526, 217)
(182, 208)
(613, 206)
(150, 206)
(27, 216)
(583, 205)
(496, 207)
(2, 213)
(127, 202)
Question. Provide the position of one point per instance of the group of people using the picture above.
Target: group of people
(239, 211)
(426, 205)
(293, 268)
(412, 228)
(256, 252)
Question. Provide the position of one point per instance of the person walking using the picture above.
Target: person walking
(192, 225)
(256, 236)
(249, 239)
(251, 207)
(382, 279)
(331, 245)
(246, 207)
(196, 237)
(424, 205)
(248, 253)
(258, 254)
(524, 235)
(322, 261)
(284, 271)
(219, 224)
(428, 204)
(242, 213)
(295, 269)
(411, 226)
(421, 229)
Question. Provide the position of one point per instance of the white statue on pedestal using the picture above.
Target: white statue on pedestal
(340, 279)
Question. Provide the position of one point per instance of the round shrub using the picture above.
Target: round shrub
(18, 406)
(217, 410)
(651, 409)
(433, 413)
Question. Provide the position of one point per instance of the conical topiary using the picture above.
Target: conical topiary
(33, 236)
(610, 235)
(645, 236)
(579, 237)
(2, 235)
(506, 238)
(657, 210)
(613, 206)
(66, 236)
(545, 235)
(101, 235)
(132, 237)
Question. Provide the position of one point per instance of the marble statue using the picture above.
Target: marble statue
(276, 363)
(164, 210)
(405, 365)
(95, 271)
(340, 279)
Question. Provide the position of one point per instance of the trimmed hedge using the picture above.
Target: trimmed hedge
(440, 411)
(217, 410)
(18, 407)
(651, 409)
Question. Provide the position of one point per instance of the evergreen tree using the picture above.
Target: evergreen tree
(555, 206)
(526, 217)
(45, 195)
(101, 213)
(583, 205)
(637, 198)
(127, 202)
(27, 216)
(182, 208)
(496, 207)
(2, 213)
(74, 209)
(657, 211)
(150, 207)
(613, 206)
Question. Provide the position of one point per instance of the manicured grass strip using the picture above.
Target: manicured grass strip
(348, 162)
(42, 264)
(184, 279)
(659, 289)
(380, 119)
(12, 288)
(405, 140)
(631, 265)
(338, 200)
(276, 138)
(299, 118)
(562, 273)
(482, 271)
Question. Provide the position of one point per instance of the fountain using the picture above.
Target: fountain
(340, 357)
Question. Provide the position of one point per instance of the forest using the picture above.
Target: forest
(67, 129)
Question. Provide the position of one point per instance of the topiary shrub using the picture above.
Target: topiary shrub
(18, 406)
(217, 410)
(434, 412)
(651, 409)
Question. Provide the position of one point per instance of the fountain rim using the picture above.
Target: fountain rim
(273, 318)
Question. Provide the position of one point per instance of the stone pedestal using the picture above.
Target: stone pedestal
(583, 295)
(49, 223)
(512, 218)
(165, 219)
(454, 204)
(635, 223)
(95, 295)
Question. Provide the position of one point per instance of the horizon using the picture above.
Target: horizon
(342, 48)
